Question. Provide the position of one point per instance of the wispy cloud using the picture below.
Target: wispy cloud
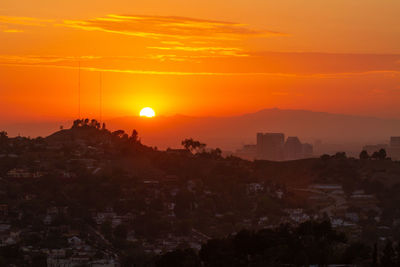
(38, 59)
(168, 27)
(177, 34)
(193, 48)
(12, 31)
(71, 64)
(211, 50)
(27, 21)
(180, 36)
(13, 24)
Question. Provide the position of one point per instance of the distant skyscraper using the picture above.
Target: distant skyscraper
(293, 148)
(270, 146)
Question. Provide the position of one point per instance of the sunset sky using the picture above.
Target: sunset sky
(200, 58)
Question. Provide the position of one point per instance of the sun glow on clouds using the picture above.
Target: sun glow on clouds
(168, 26)
(181, 38)
(177, 33)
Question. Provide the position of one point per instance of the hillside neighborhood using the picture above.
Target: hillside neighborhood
(86, 196)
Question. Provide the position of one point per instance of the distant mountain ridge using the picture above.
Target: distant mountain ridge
(232, 132)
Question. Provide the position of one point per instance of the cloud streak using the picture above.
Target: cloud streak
(70, 62)
(168, 27)
(12, 31)
(26, 21)
(212, 50)
(13, 24)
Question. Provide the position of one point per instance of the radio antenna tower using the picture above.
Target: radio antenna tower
(79, 90)
(101, 98)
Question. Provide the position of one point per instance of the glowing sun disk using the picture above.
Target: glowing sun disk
(147, 112)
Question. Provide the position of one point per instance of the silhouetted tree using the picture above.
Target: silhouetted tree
(375, 155)
(3, 138)
(120, 232)
(356, 252)
(118, 133)
(193, 145)
(325, 157)
(388, 258)
(375, 256)
(364, 155)
(379, 155)
(106, 229)
(135, 136)
(309, 243)
(340, 155)
(77, 123)
(382, 154)
(216, 153)
(179, 258)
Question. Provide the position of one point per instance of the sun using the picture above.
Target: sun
(147, 112)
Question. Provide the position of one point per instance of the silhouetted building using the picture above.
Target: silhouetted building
(270, 146)
(395, 147)
(293, 148)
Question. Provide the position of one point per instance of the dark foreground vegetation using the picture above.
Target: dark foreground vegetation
(87, 196)
(309, 243)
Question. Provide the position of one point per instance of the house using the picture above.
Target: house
(352, 216)
(22, 173)
(191, 185)
(3, 209)
(47, 220)
(131, 236)
(103, 263)
(30, 197)
(326, 187)
(117, 220)
(101, 217)
(279, 194)
(297, 215)
(75, 241)
(254, 188)
(58, 253)
(8, 240)
(4, 227)
(263, 221)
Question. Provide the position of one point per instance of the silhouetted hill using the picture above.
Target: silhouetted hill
(73, 134)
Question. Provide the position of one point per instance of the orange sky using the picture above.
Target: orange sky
(198, 57)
